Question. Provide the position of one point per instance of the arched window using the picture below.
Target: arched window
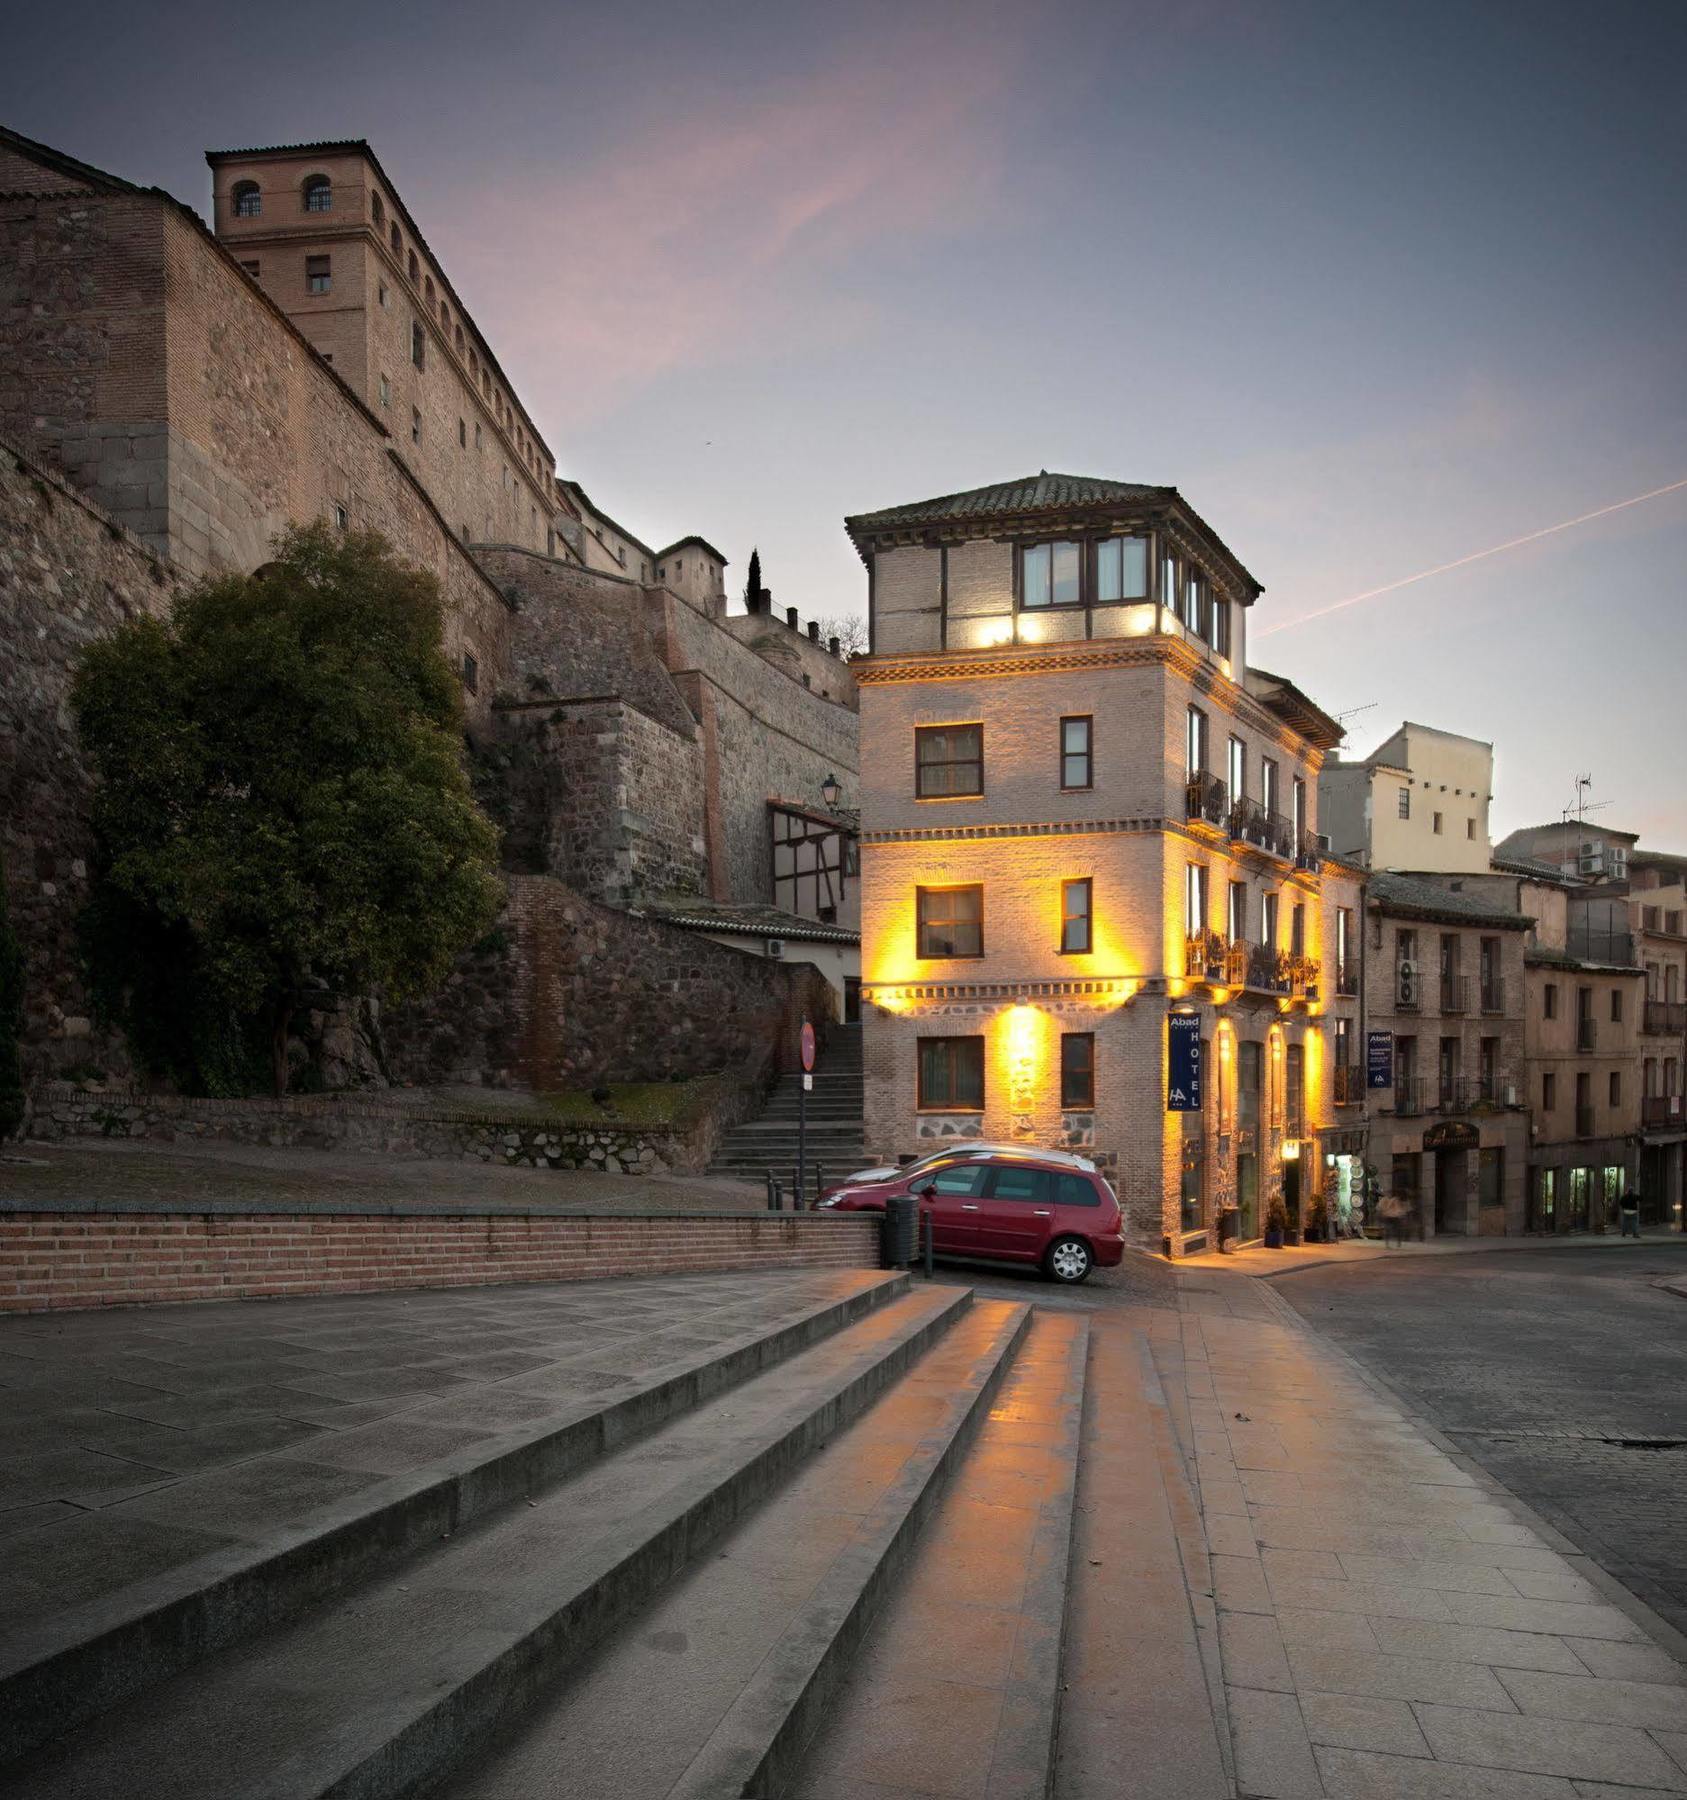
(379, 210)
(397, 240)
(318, 194)
(474, 365)
(248, 202)
(444, 316)
(459, 340)
(427, 288)
(415, 267)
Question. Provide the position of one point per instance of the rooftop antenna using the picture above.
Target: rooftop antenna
(1581, 807)
(1354, 711)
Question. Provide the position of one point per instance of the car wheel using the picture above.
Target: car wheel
(1069, 1260)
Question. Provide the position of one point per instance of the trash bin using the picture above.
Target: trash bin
(898, 1233)
(1229, 1226)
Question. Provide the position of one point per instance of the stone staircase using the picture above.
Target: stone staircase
(717, 1578)
(835, 1129)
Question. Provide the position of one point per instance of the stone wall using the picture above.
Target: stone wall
(68, 576)
(71, 1258)
(567, 992)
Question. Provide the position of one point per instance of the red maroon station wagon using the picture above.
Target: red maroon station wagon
(1015, 1208)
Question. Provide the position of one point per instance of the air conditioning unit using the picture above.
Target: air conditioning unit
(775, 947)
(1406, 983)
(1591, 861)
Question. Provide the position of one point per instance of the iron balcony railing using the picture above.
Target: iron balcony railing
(1408, 1095)
(1665, 1018)
(1455, 1093)
(1662, 1110)
(1492, 995)
(1587, 1032)
(1250, 823)
(1584, 1121)
(1455, 993)
(1312, 849)
(1205, 798)
(1208, 956)
(1349, 1084)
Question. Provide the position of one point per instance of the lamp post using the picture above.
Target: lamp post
(831, 791)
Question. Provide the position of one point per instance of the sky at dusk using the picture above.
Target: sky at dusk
(1375, 287)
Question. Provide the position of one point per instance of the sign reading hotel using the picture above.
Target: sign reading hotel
(1183, 1044)
(1379, 1059)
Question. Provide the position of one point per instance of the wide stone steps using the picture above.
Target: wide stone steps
(698, 1606)
(834, 1130)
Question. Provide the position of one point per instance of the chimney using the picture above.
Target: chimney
(832, 645)
(791, 618)
(814, 631)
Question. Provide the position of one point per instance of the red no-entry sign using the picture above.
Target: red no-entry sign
(807, 1046)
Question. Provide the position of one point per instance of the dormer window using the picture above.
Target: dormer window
(1049, 575)
(318, 194)
(248, 201)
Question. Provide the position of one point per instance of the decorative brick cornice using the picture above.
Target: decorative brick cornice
(1112, 989)
(949, 834)
(1027, 659)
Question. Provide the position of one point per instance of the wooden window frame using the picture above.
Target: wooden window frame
(921, 733)
(1021, 605)
(950, 1105)
(1087, 720)
(1068, 917)
(1086, 1101)
(960, 887)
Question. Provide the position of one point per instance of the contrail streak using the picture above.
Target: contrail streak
(1459, 562)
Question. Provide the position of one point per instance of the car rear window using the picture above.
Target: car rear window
(960, 1178)
(1011, 1183)
(1076, 1191)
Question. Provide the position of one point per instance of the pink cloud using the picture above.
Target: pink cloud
(700, 232)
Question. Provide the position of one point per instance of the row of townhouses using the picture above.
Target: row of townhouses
(1121, 894)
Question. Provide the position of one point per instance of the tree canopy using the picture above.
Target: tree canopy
(280, 806)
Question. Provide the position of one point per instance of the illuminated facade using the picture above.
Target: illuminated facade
(1083, 813)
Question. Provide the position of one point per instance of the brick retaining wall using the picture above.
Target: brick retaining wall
(67, 1259)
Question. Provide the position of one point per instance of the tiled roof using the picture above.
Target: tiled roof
(1041, 492)
(699, 914)
(289, 149)
(701, 542)
(1413, 898)
(1531, 866)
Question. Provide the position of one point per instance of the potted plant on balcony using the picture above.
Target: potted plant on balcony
(1317, 1220)
(1276, 1224)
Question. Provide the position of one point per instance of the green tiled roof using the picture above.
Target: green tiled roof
(1041, 492)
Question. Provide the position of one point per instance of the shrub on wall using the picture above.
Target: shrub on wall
(280, 807)
(11, 1019)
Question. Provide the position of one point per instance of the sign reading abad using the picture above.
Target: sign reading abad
(1183, 1060)
(1379, 1059)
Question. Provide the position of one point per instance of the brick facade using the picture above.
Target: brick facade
(62, 1261)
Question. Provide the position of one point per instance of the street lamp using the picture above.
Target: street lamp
(831, 791)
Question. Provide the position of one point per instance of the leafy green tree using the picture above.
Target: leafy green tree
(11, 1020)
(280, 804)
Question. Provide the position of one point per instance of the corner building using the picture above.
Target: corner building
(1083, 814)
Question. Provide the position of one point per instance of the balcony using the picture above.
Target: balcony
(1664, 1018)
(1587, 1033)
(1205, 798)
(1349, 1080)
(1250, 823)
(1663, 1112)
(1455, 993)
(1492, 996)
(1310, 855)
(1455, 1093)
(1584, 1121)
(1408, 1096)
(1304, 974)
(1209, 957)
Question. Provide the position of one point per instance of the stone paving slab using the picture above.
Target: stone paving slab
(1392, 1622)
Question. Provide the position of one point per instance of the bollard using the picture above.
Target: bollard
(925, 1223)
(772, 1193)
(819, 1184)
(901, 1222)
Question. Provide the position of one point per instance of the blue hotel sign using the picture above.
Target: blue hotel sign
(1183, 1081)
(1379, 1059)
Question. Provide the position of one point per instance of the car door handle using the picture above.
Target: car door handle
(965, 1207)
(1042, 1212)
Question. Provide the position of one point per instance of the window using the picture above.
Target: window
(951, 921)
(1435, 824)
(1121, 569)
(471, 672)
(459, 340)
(477, 437)
(1470, 828)
(1168, 583)
(1616, 1088)
(1268, 921)
(1268, 786)
(427, 289)
(948, 761)
(415, 424)
(377, 210)
(1195, 898)
(318, 275)
(418, 344)
(1221, 626)
(1549, 1091)
(961, 1178)
(1237, 769)
(1049, 575)
(251, 269)
(381, 294)
(1346, 973)
(341, 518)
(1077, 1070)
(1236, 919)
(1405, 803)
(1075, 1190)
(1075, 900)
(1196, 742)
(1297, 930)
(1616, 1006)
(462, 434)
(413, 266)
(951, 1079)
(1299, 813)
(318, 193)
(1076, 767)
(385, 391)
(1489, 1054)
(248, 201)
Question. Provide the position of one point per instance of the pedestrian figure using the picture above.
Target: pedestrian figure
(1392, 1211)
(1629, 1212)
